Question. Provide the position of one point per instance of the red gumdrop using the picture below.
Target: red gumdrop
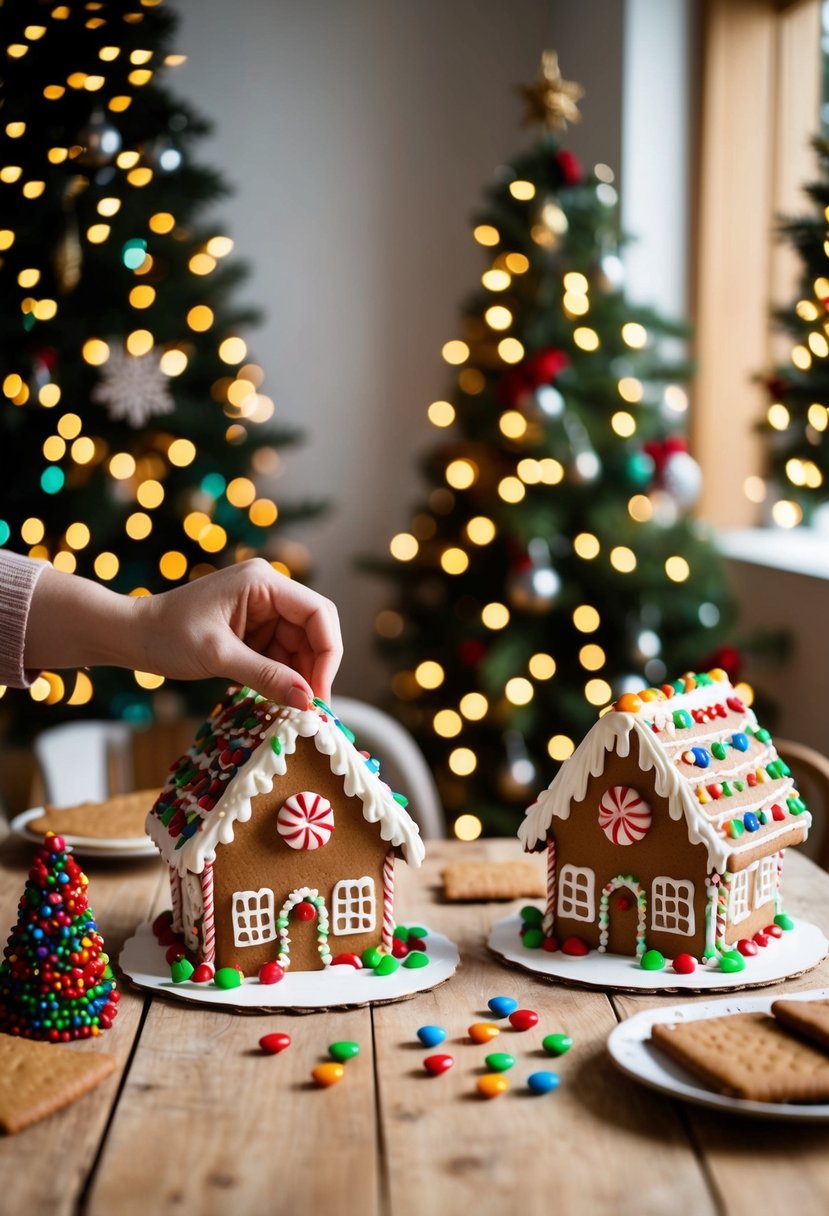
(747, 947)
(305, 911)
(417, 943)
(203, 974)
(523, 1019)
(575, 946)
(272, 1044)
(550, 944)
(684, 964)
(761, 939)
(174, 952)
(399, 948)
(271, 973)
(347, 960)
(773, 931)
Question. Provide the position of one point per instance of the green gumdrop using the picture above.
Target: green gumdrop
(500, 1061)
(556, 1044)
(415, 958)
(181, 970)
(418, 931)
(227, 977)
(401, 933)
(652, 960)
(783, 921)
(732, 961)
(371, 956)
(532, 916)
(387, 965)
(344, 1050)
(533, 938)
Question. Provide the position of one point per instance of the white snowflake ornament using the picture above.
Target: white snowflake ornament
(133, 388)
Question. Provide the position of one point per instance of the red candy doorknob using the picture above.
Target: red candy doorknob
(305, 911)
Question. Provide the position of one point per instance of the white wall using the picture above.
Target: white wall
(359, 136)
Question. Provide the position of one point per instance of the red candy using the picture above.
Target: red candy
(417, 943)
(305, 911)
(271, 973)
(347, 960)
(574, 946)
(684, 964)
(550, 944)
(203, 974)
(777, 812)
(162, 921)
(761, 939)
(435, 1065)
(773, 931)
(747, 947)
(399, 948)
(272, 1044)
(523, 1019)
(174, 952)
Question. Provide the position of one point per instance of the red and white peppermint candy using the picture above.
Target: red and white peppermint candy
(305, 820)
(624, 816)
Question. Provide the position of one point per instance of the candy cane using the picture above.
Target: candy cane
(208, 924)
(175, 893)
(388, 900)
(550, 911)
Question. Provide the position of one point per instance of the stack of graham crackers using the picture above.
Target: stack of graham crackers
(782, 1056)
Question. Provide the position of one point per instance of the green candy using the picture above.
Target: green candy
(652, 960)
(387, 965)
(532, 916)
(415, 958)
(371, 956)
(500, 1061)
(418, 931)
(556, 1044)
(533, 938)
(732, 961)
(343, 1050)
(402, 933)
(783, 921)
(227, 977)
(181, 970)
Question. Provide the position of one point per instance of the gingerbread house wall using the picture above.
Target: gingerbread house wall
(259, 857)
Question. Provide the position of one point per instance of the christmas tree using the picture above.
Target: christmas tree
(55, 980)
(553, 562)
(797, 419)
(133, 440)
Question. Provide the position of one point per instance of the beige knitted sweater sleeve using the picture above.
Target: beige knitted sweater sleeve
(18, 576)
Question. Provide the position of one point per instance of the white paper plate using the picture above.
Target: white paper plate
(632, 1052)
(112, 847)
(142, 959)
(800, 949)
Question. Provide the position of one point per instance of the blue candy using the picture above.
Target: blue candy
(701, 757)
(502, 1006)
(430, 1036)
(751, 822)
(740, 741)
(543, 1082)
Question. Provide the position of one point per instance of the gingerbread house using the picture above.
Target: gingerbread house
(666, 828)
(280, 837)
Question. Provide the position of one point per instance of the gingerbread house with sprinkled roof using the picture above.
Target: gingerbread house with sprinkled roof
(280, 838)
(666, 828)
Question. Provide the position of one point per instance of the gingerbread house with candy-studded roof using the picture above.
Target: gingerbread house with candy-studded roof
(666, 828)
(280, 838)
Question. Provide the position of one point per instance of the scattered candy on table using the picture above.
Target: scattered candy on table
(343, 1050)
(328, 1074)
(431, 1036)
(500, 1061)
(502, 1006)
(556, 1044)
(482, 1032)
(543, 1082)
(523, 1019)
(275, 1042)
(438, 1064)
(492, 1085)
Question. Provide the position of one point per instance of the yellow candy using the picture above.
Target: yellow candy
(717, 673)
(651, 694)
(482, 1032)
(492, 1085)
(328, 1074)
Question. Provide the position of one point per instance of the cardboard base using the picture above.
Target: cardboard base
(142, 961)
(799, 950)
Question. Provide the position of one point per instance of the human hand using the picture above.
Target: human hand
(246, 623)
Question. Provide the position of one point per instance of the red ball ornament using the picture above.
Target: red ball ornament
(305, 911)
(570, 166)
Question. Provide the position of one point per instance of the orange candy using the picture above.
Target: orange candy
(328, 1074)
(482, 1032)
(492, 1085)
(628, 703)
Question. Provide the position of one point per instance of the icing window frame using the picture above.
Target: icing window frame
(672, 905)
(354, 906)
(577, 893)
(765, 880)
(254, 920)
(739, 905)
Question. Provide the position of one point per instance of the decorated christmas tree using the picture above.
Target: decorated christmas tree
(797, 419)
(134, 439)
(553, 562)
(55, 980)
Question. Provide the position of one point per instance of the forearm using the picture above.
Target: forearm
(74, 622)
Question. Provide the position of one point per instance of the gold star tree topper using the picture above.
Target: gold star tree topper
(550, 99)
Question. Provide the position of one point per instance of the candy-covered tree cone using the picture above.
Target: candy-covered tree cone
(55, 979)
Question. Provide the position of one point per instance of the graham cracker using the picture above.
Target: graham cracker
(118, 818)
(493, 880)
(808, 1019)
(37, 1079)
(747, 1055)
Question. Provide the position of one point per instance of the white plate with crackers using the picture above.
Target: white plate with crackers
(634, 1053)
(111, 830)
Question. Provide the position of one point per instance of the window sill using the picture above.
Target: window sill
(797, 550)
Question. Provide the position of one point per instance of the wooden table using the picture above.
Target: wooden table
(196, 1120)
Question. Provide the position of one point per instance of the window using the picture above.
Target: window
(765, 882)
(353, 906)
(738, 908)
(576, 893)
(253, 918)
(672, 906)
